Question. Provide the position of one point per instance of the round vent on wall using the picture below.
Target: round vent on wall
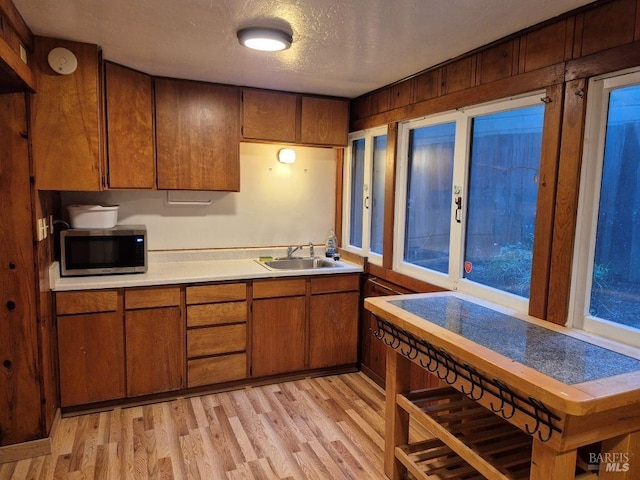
(62, 60)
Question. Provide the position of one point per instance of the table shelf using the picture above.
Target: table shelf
(470, 440)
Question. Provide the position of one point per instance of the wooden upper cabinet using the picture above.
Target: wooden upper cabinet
(324, 121)
(269, 115)
(198, 136)
(294, 118)
(130, 138)
(66, 116)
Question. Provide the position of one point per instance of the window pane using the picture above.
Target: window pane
(428, 214)
(615, 291)
(357, 192)
(377, 193)
(503, 190)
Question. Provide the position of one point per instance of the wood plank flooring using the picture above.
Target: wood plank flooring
(320, 428)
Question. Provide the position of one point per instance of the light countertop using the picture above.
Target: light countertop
(180, 267)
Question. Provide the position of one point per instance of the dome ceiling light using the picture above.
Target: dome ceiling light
(264, 39)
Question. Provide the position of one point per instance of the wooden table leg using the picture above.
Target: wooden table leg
(620, 458)
(548, 464)
(396, 419)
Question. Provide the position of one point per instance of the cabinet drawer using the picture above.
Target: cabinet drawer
(86, 301)
(225, 368)
(279, 288)
(216, 314)
(151, 297)
(335, 283)
(216, 340)
(216, 293)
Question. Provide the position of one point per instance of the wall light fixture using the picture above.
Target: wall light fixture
(286, 155)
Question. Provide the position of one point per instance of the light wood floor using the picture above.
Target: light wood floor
(321, 428)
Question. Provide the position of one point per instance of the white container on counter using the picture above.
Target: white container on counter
(93, 216)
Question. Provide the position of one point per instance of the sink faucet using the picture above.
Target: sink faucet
(311, 251)
(291, 249)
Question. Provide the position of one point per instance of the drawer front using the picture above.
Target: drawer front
(216, 340)
(335, 283)
(279, 288)
(151, 297)
(216, 314)
(208, 371)
(216, 293)
(86, 301)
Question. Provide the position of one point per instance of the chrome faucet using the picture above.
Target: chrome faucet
(291, 249)
(311, 251)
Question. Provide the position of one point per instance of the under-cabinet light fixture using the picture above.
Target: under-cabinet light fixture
(264, 39)
(286, 155)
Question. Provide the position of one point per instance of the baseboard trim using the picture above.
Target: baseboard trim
(31, 449)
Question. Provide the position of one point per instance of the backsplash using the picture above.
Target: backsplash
(277, 205)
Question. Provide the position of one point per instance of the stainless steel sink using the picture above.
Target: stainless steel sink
(301, 264)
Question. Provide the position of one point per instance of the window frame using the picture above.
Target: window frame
(588, 210)
(454, 279)
(368, 135)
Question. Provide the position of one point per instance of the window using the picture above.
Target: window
(364, 175)
(468, 185)
(606, 288)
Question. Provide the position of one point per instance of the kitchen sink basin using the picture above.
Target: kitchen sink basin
(300, 263)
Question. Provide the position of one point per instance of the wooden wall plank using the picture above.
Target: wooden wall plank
(20, 406)
(527, 82)
(389, 195)
(564, 225)
(545, 46)
(546, 202)
(496, 62)
(610, 25)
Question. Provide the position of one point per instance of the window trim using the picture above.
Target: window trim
(368, 135)
(454, 280)
(588, 210)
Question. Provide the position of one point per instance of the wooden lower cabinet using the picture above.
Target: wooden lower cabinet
(125, 343)
(333, 320)
(278, 335)
(373, 351)
(91, 349)
(155, 358)
(154, 334)
(333, 329)
(91, 355)
(216, 333)
(304, 323)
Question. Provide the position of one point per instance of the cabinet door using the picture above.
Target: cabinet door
(198, 136)
(278, 335)
(269, 115)
(155, 350)
(130, 141)
(333, 329)
(324, 121)
(66, 118)
(91, 355)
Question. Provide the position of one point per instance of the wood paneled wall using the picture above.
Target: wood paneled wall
(557, 57)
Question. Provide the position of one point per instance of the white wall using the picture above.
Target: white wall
(277, 205)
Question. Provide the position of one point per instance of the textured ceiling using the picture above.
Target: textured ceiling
(340, 47)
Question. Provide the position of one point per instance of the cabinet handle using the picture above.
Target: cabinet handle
(384, 287)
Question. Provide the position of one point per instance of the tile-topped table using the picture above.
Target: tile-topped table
(550, 388)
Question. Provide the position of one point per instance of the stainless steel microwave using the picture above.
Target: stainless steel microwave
(121, 249)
